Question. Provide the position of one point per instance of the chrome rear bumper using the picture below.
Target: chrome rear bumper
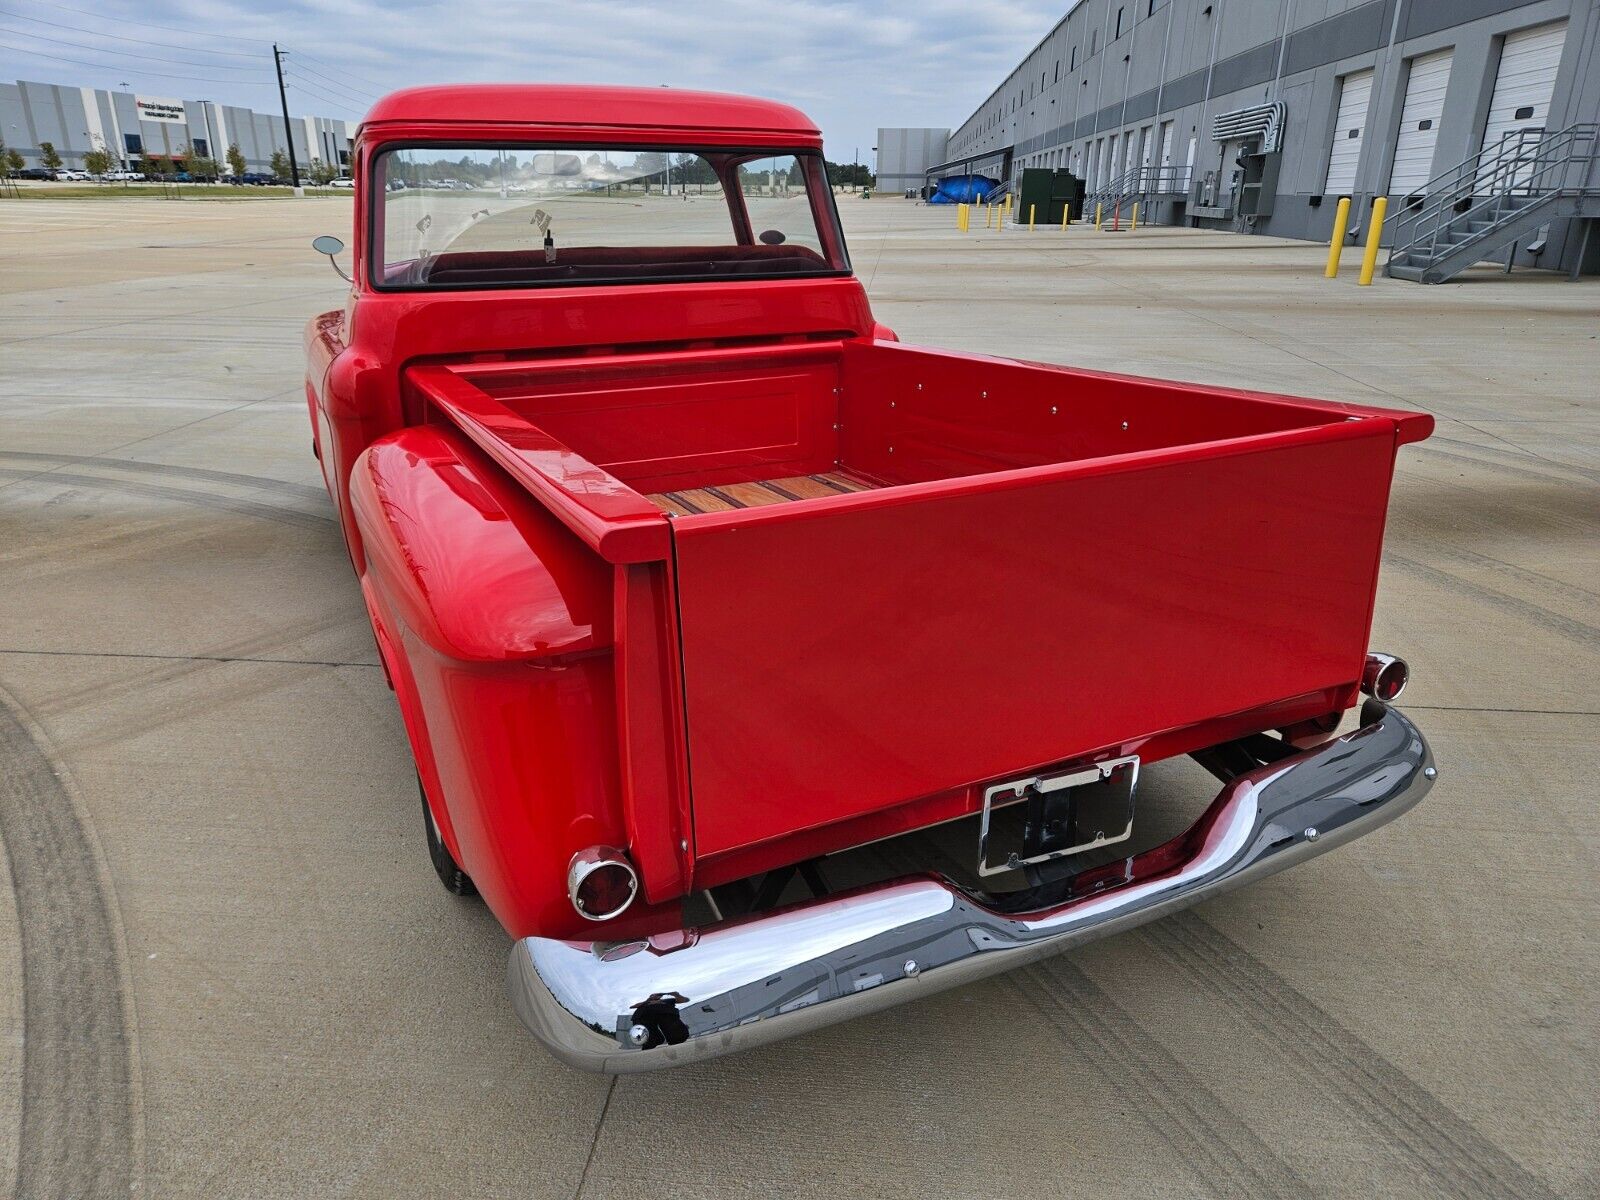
(699, 993)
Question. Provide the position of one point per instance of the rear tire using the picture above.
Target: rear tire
(455, 880)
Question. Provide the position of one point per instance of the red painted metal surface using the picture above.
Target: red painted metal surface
(1052, 563)
(501, 623)
(901, 643)
(537, 110)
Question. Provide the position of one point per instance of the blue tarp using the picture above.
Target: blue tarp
(962, 189)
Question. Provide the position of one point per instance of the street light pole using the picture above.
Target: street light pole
(288, 134)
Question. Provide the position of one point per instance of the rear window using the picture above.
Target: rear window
(530, 216)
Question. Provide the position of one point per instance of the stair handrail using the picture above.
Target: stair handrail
(1525, 163)
(1148, 180)
(1462, 181)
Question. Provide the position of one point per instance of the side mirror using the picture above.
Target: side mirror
(330, 245)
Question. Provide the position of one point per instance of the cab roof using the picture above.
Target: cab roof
(589, 106)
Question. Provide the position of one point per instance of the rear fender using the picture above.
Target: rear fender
(404, 687)
(496, 623)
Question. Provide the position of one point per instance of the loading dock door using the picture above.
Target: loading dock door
(1348, 134)
(1419, 122)
(1527, 77)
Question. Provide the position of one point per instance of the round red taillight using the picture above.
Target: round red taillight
(601, 883)
(1385, 677)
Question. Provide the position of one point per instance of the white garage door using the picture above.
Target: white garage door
(1419, 122)
(1354, 97)
(1527, 76)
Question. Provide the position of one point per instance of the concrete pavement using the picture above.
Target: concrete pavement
(226, 968)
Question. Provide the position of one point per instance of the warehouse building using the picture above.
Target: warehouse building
(1259, 115)
(76, 120)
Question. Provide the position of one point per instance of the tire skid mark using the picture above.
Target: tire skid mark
(244, 649)
(1406, 1116)
(1198, 1126)
(1513, 606)
(1535, 579)
(1531, 461)
(305, 491)
(79, 1134)
(1193, 1121)
(249, 508)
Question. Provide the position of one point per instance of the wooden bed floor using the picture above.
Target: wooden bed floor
(727, 496)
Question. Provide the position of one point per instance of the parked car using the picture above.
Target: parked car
(36, 173)
(258, 179)
(344, 181)
(125, 176)
(75, 176)
(687, 574)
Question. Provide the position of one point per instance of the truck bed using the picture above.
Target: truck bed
(757, 493)
(900, 574)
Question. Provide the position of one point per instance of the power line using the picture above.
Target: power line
(300, 66)
(366, 102)
(81, 62)
(39, 37)
(302, 86)
(383, 88)
(221, 37)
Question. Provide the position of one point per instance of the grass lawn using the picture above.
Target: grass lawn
(154, 191)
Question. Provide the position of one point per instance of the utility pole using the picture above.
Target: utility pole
(288, 134)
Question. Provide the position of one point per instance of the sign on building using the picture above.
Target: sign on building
(157, 108)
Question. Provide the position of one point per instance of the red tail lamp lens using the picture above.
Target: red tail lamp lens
(1385, 677)
(601, 883)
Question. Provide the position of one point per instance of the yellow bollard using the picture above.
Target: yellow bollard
(1341, 221)
(1031, 207)
(988, 216)
(1066, 215)
(1133, 223)
(1000, 218)
(1099, 215)
(1370, 260)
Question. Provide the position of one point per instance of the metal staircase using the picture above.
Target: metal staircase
(1500, 196)
(1137, 183)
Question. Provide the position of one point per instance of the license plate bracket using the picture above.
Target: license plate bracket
(1070, 813)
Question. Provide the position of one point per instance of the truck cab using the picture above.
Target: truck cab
(688, 576)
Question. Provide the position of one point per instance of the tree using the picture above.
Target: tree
(278, 164)
(321, 173)
(236, 158)
(48, 156)
(13, 162)
(98, 161)
(152, 167)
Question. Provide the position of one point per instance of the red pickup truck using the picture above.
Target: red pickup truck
(688, 577)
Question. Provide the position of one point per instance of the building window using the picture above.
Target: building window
(1094, 42)
(1119, 21)
(1074, 65)
(1057, 79)
(202, 148)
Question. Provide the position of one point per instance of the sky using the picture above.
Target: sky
(851, 67)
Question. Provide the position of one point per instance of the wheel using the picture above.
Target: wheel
(455, 880)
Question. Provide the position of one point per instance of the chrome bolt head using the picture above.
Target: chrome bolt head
(911, 967)
(638, 1035)
(1429, 772)
(1311, 833)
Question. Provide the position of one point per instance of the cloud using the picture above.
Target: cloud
(852, 67)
